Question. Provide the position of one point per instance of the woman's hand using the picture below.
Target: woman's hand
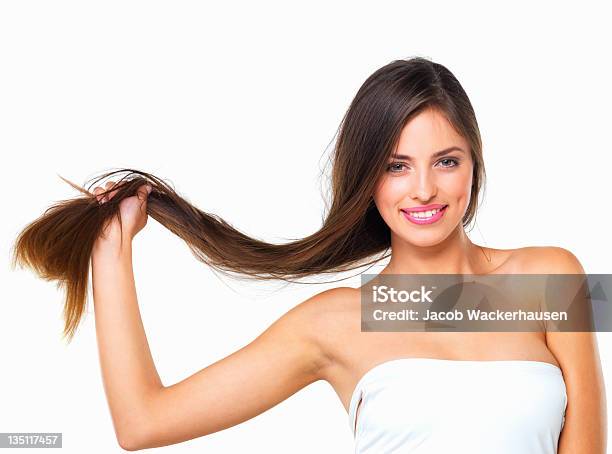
(133, 211)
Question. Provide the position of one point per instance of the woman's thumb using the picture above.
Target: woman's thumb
(143, 191)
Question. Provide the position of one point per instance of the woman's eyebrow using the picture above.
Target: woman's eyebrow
(435, 155)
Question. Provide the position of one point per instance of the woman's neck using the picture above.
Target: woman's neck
(455, 255)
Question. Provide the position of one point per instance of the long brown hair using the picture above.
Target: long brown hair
(58, 245)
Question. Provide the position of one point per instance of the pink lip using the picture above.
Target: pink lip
(431, 220)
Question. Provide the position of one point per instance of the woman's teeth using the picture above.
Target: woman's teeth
(423, 214)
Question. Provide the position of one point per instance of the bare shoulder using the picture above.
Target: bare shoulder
(549, 260)
(327, 310)
(327, 317)
(324, 306)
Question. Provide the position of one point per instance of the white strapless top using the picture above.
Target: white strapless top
(438, 406)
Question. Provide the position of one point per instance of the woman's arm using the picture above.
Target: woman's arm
(585, 428)
(282, 360)
(128, 372)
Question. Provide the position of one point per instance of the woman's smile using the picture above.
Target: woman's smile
(424, 217)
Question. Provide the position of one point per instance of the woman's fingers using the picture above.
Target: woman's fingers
(143, 191)
(97, 191)
(101, 193)
(109, 185)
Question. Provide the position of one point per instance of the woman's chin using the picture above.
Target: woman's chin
(426, 239)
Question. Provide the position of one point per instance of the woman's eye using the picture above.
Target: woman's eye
(453, 160)
(394, 167)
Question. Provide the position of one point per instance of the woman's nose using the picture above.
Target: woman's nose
(423, 186)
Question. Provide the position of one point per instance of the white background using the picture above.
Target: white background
(236, 105)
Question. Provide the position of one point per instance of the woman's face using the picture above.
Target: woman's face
(417, 177)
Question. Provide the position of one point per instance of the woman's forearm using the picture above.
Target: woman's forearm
(128, 371)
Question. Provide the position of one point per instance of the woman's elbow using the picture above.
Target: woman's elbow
(132, 441)
(134, 437)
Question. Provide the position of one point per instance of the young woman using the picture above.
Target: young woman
(409, 142)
